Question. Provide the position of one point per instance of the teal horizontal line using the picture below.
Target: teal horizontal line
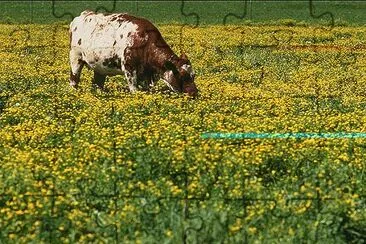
(296, 135)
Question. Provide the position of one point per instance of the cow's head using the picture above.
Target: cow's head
(179, 76)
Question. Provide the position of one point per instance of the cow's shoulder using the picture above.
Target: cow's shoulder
(142, 23)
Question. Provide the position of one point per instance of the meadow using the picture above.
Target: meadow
(89, 166)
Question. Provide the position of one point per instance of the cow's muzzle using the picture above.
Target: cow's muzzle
(191, 90)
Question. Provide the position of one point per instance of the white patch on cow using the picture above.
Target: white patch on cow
(167, 77)
(97, 39)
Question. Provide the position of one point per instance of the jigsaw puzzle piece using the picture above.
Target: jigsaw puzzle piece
(20, 43)
(33, 205)
(99, 201)
(12, 10)
(26, 216)
(152, 217)
(319, 13)
(55, 48)
(37, 203)
(69, 10)
(194, 224)
(155, 11)
(26, 47)
(23, 50)
(199, 12)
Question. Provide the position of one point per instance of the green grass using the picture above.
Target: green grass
(208, 12)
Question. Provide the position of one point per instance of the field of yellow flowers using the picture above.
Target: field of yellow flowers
(91, 166)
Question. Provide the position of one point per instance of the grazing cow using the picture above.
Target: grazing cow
(115, 44)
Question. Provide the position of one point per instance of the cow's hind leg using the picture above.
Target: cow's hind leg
(99, 80)
(76, 64)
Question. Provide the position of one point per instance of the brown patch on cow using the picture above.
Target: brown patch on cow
(75, 28)
(121, 36)
(75, 78)
(147, 40)
(113, 62)
(122, 18)
(134, 19)
(115, 42)
(114, 18)
(79, 42)
(72, 76)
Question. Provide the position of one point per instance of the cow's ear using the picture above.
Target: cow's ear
(170, 66)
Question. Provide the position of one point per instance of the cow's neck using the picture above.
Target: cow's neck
(164, 54)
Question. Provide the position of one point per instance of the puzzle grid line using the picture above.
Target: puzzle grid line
(187, 200)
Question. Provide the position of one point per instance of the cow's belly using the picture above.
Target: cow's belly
(105, 61)
(108, 71)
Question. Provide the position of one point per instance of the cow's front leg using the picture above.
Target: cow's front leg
(131, 80)
(76, 64)
(153, 79)
(143, 84)
(98, 80)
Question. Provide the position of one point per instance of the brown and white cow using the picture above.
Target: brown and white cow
(116, 44)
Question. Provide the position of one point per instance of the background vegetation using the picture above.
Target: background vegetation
(208, 12)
